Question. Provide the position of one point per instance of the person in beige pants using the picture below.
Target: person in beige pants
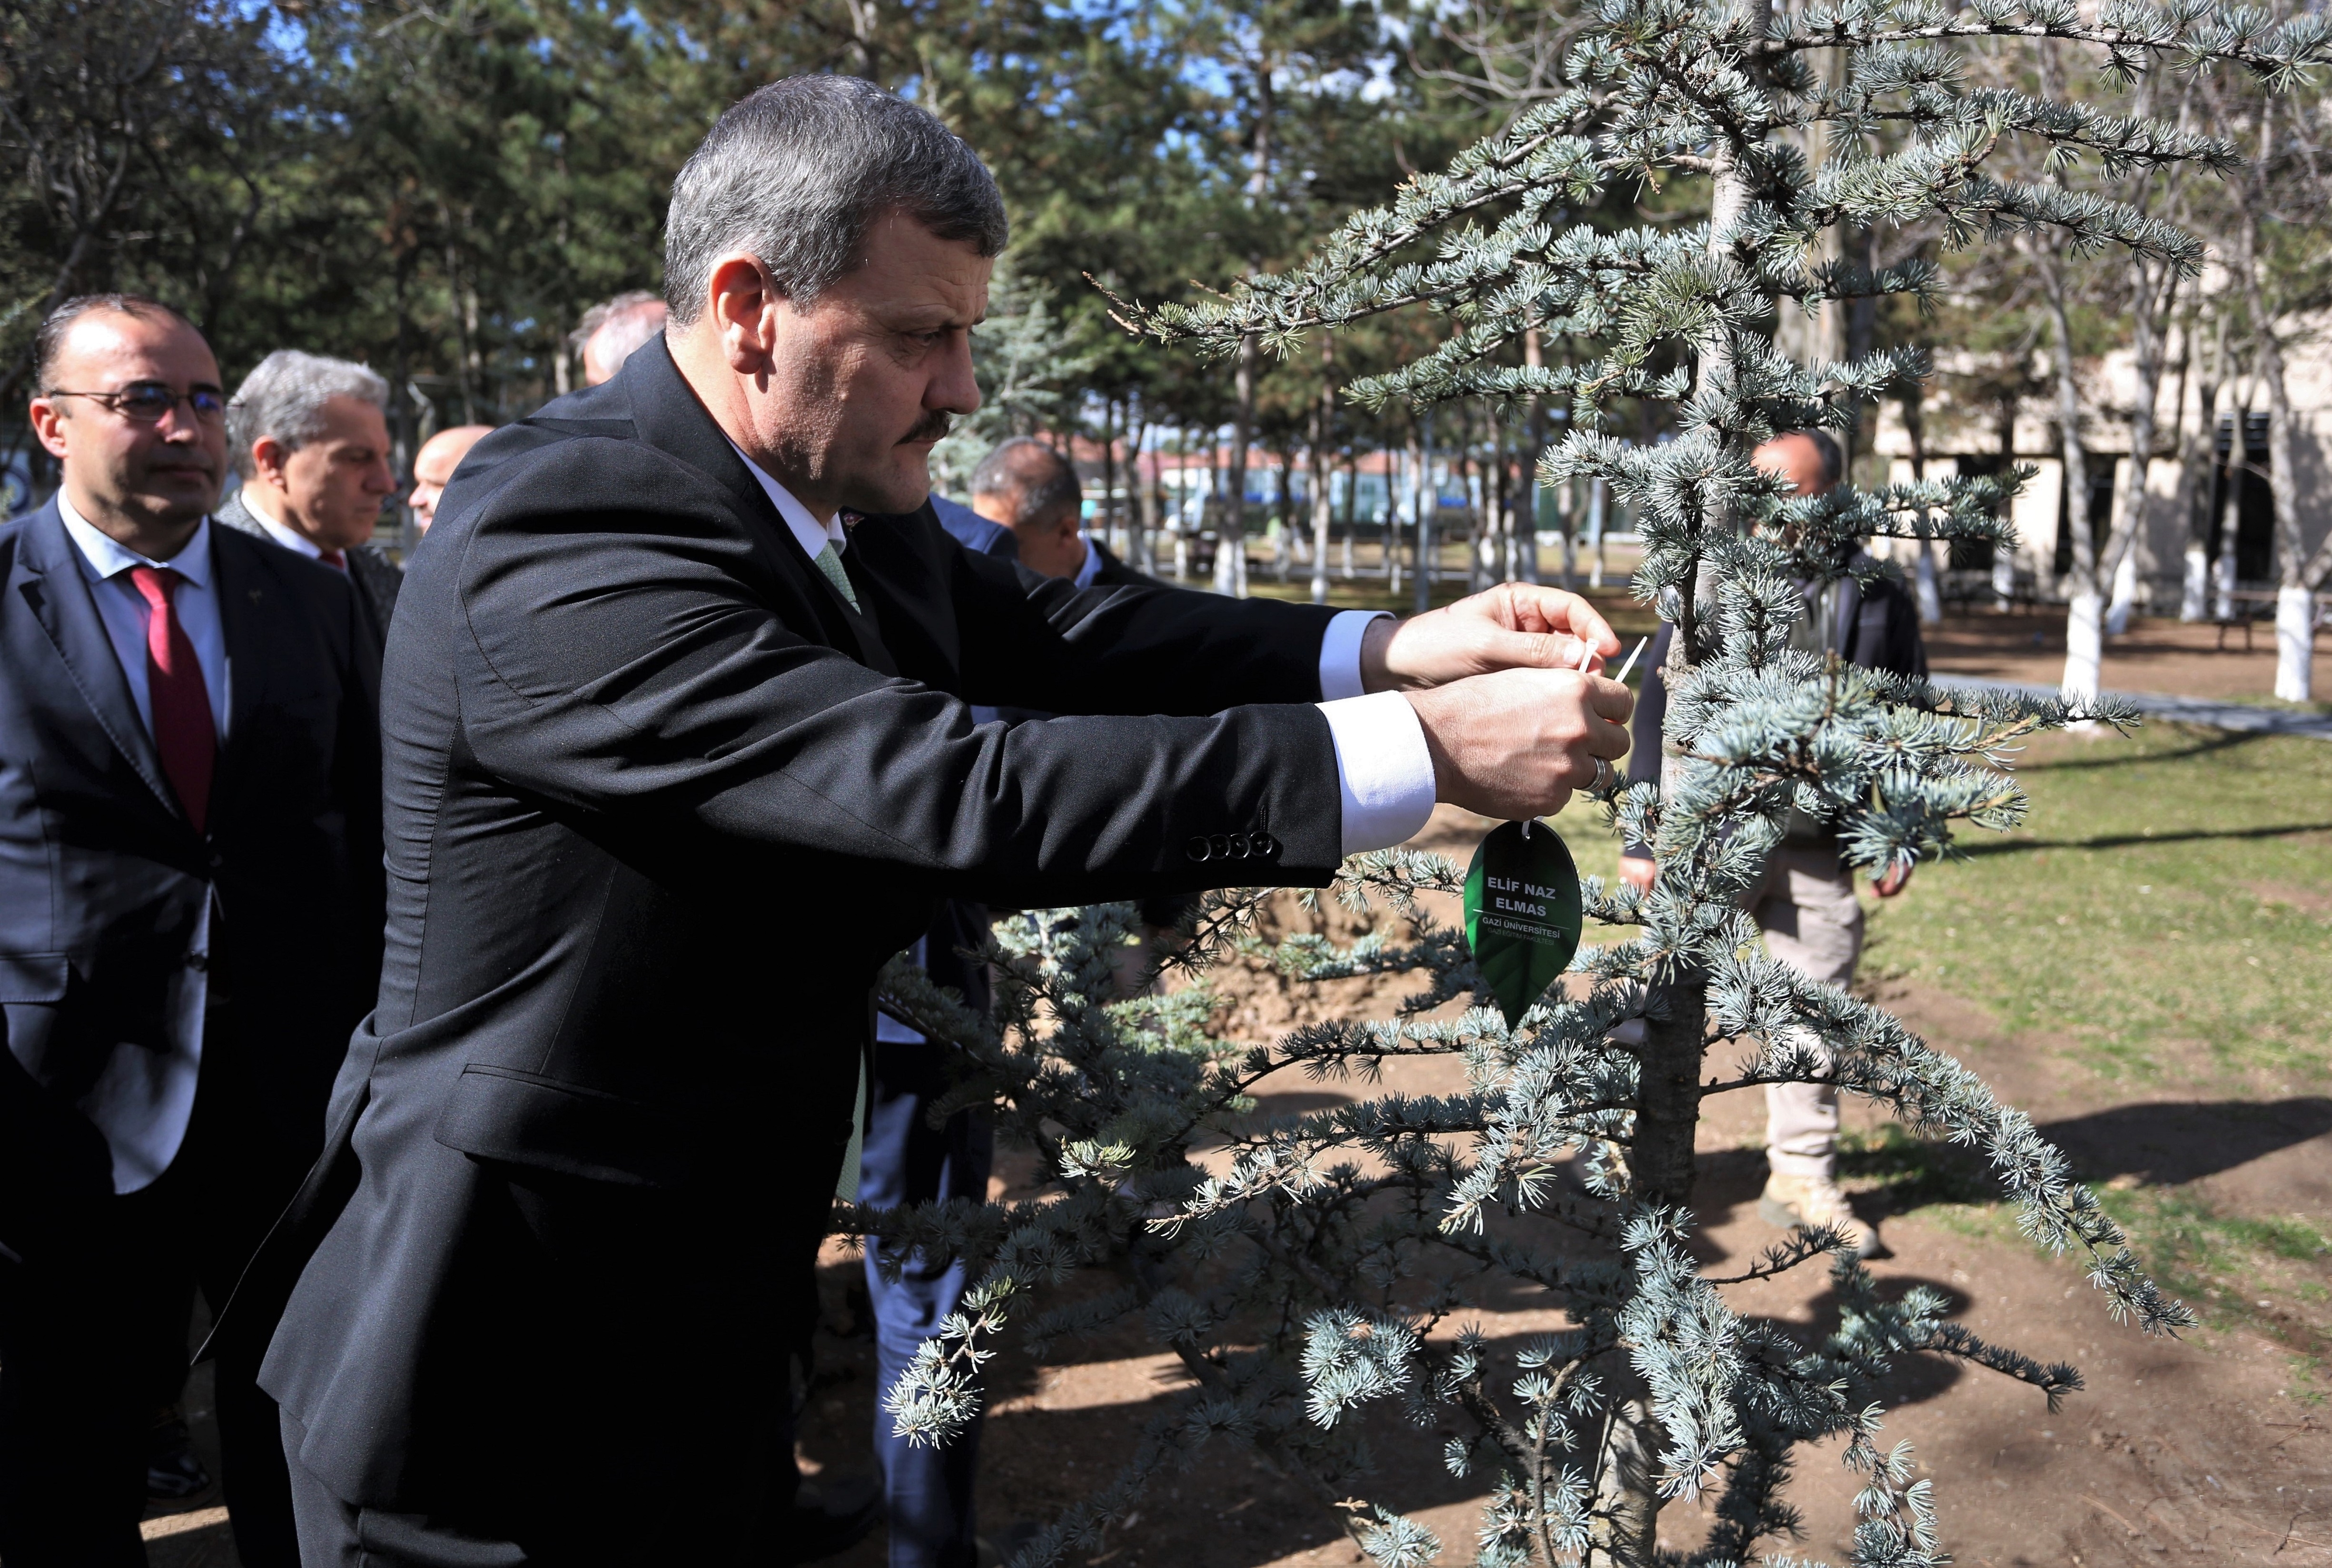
(1806, 905)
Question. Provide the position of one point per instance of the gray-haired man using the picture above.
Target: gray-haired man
(678, 750)
(613, 330)
(309, 436)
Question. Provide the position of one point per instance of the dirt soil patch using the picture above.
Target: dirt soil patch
(2157, 654)
(2213, 1449)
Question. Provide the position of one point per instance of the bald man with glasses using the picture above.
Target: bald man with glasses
(190, 919)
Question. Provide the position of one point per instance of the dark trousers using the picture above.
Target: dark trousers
(928, 1491)
(93, 1312)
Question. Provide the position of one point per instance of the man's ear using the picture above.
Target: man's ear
(267, 457)
(49, 426)
(744, 308)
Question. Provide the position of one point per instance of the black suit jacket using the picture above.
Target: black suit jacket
(375, 577)
(103, 879)
(659, 803)
(1115, 573)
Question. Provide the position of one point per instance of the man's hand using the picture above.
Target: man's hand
(1893, 880)
(1638, 873)
(1517, 626)
(1515, 743)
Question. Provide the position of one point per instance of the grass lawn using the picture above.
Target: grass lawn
(2164, 922)
(2170, 890)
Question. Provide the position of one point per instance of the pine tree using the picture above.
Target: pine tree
(1328, 1270)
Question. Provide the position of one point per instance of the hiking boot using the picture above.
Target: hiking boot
(1789, 1201)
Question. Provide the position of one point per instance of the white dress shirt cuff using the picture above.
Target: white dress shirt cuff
(1340, 653)
(1384, 773)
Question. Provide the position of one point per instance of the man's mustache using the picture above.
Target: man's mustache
(932, 426)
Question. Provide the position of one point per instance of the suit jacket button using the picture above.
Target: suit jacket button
(1263, 843)
(1221, 844)
(1239, 846)
(1197, 850)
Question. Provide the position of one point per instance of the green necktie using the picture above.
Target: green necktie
(829, 562)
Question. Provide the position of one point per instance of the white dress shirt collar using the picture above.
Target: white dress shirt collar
(290, 537)
(811, 534)
(105, 556)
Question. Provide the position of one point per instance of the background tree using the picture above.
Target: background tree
(141, 135)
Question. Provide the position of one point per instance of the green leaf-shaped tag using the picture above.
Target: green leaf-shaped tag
(1523, 915)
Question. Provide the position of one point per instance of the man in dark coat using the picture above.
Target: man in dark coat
(676, 757)
(1026, 487)
(190, 915)
(309, 436)
(1806, 906)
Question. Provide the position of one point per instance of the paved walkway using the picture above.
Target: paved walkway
(2198, 711)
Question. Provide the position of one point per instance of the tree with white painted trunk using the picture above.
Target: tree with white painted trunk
(2298, 575)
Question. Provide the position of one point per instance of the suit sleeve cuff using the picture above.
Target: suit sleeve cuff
(1384, 773)
(1340, 654)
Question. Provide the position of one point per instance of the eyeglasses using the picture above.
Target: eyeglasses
(146, 402)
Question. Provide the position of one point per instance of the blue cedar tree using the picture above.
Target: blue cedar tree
(1324, 1270)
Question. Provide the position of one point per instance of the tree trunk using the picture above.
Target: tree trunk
(1283, 502)
(1534, 356)
(1659, 1155)
(1924, 590)
(1108, 518)
(1231, 528)
(1323, 414)
(2149, 324)
(2295, 605)
(1626, 1529)
(1428, 502)
(2197, 472)
(2084, 613)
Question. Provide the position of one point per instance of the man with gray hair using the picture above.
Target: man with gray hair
(309, 436)
(610, 333)
(678, 751)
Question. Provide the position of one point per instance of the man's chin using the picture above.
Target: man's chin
(172, 505)
(893, 494)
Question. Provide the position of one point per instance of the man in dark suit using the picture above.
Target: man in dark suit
(309, 436)
(676, 757)
(190, 902)
(1806, 906)
(1026, 486)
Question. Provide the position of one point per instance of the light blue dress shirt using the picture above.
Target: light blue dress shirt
(105, 562)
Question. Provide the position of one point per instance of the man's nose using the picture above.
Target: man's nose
(382, 480)
(955, 388)
(178, 424)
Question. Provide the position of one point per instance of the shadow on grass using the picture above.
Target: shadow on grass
(2159, 1143)
(2122, 840)
(2208, 742)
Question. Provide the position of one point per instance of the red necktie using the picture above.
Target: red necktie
(183, 731)
(337, 559)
